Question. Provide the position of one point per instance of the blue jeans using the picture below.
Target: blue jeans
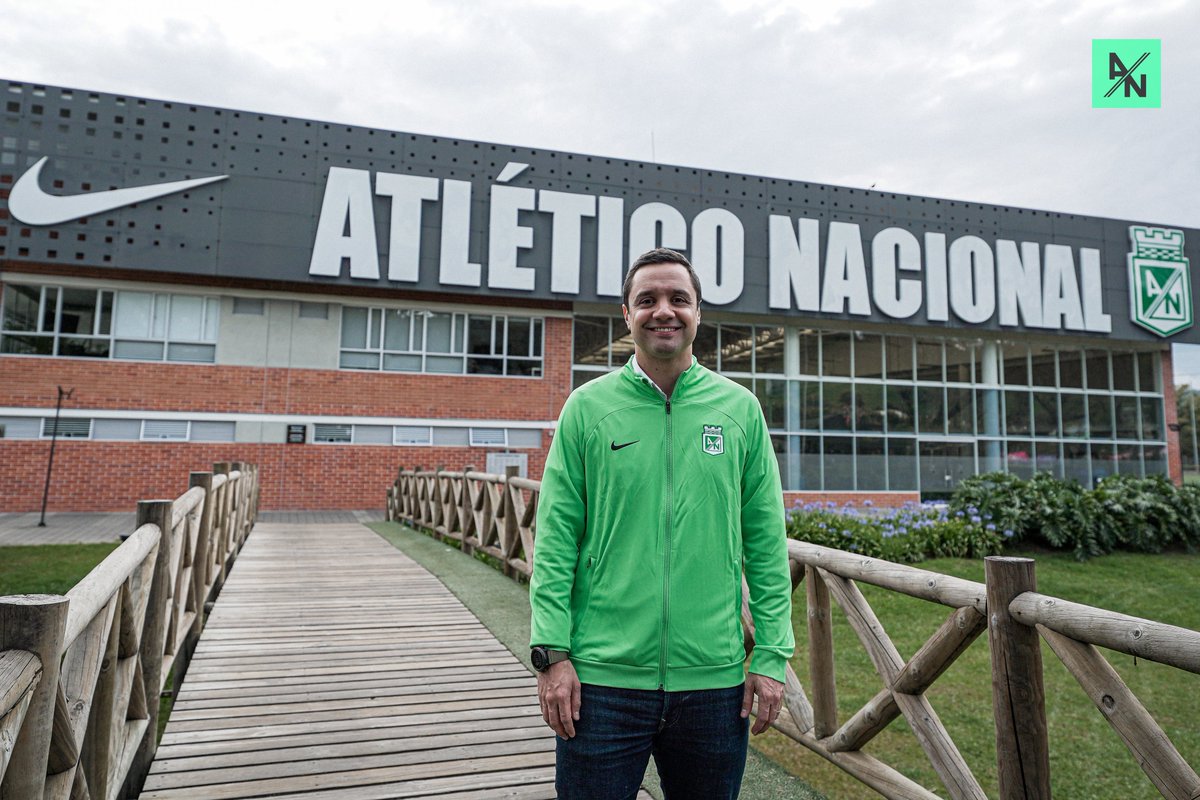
(698, 740)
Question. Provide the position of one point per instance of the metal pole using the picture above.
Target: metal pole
(53, 441)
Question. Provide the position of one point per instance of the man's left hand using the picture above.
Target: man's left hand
(770, 699)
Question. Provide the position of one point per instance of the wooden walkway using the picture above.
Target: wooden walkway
(335, 666)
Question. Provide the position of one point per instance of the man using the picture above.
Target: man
(660, 488)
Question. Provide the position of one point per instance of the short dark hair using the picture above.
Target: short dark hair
(659, 255)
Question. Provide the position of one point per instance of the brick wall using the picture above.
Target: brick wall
(878, 499)
(113, 476)
(151, 386)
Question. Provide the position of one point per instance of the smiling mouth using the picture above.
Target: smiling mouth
(664, 330)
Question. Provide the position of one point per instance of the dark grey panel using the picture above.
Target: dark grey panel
(261, 222)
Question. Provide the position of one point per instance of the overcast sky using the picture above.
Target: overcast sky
(986, 102)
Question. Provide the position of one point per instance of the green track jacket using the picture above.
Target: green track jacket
(649, 512)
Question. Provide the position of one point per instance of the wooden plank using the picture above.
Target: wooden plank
(1151, 748)
(334, 666)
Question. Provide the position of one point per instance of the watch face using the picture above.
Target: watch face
(540, 659)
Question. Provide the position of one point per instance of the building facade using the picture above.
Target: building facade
(332, 302)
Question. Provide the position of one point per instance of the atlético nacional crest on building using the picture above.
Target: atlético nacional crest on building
(712, 440)
(1160, 280)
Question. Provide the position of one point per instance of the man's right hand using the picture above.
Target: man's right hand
(558, 695)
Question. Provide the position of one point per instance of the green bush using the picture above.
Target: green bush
(1122, 513)
(908, 534)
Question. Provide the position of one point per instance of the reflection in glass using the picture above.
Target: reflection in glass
(704, 347)
(1074, 416)
(1076, 464)
(929, 360)
(808, 342)
(1097, 369)
(868, 401)
(1148, 373)
(1070, 369)
(810, 461)
(1043, 366)
(1154, 458)
(769, 347)
(21, 307)
(839, 463)
(835, 355)
(960, 413)
(902, 464)
(899, 353)
(1104, 461)
(1047, 459)
(1124, 371)
(518, 342)
(931, 409)
(1126, 412)
(1129, 459)
(868, 355)
(1045, 414)
(1016, 413)
(808, 405)
(1019, 458)
(872, 464)
(838, 408)
(959, 359)
(591, 341)
(737, 348)
(1152, 418)
(1100, 418)
(1016, 365)
(901, 409)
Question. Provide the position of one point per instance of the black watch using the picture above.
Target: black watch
(543, 657)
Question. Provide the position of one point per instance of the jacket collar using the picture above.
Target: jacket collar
(634, 370)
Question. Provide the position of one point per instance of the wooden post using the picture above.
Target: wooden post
(36, 623)
(200, 577)
(511, 529)
(154, 633)
(1018, 696)
(820, 655)
(224, 518)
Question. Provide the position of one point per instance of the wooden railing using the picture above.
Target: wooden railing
(81, 674)
(496, 513)
(483, 511)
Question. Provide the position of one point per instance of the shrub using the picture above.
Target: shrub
(908, 534)
(1122, 512)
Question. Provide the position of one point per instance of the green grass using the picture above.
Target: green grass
(1087, 760)
(48, 568)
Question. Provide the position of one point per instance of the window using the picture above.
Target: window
(155, 430)
(53, 321)
(489, 437)
(69, 428)
(409, 435)
(415, 340)
(97, 323)
(333, 434)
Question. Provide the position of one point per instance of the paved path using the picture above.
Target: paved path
(335, 666)
(88, 528)
(64, 528)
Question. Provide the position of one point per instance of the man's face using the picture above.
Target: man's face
(663, 312)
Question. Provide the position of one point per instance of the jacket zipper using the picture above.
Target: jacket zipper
(662, 656)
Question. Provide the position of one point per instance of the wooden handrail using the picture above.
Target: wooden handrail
(80, 675)
(497, 514)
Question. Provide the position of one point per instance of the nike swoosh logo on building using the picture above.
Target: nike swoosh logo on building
(616, 446)
(29, 204)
